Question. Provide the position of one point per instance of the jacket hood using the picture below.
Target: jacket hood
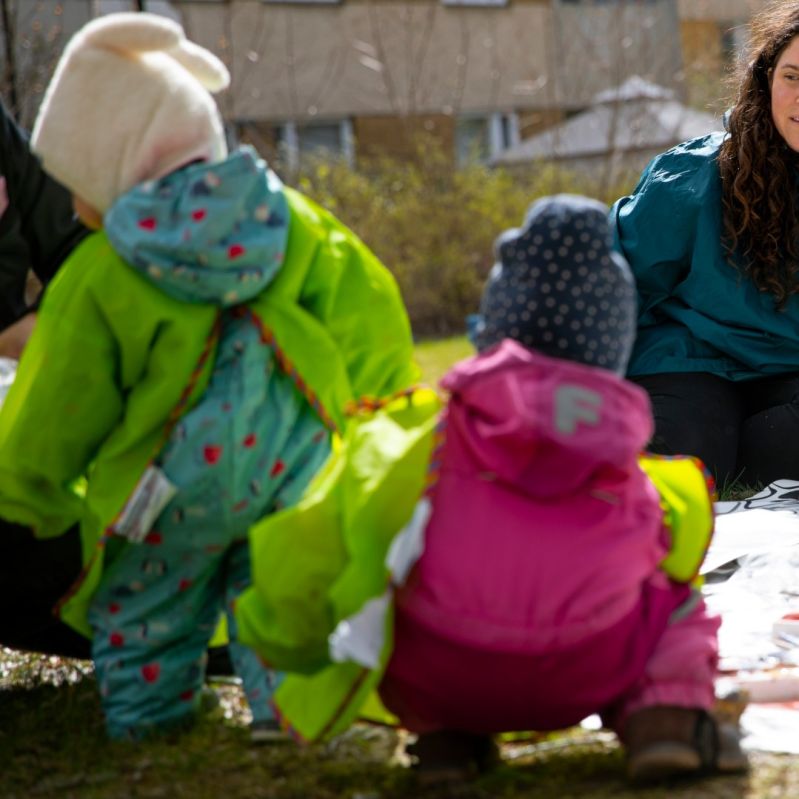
(208, 233)
(543, 425)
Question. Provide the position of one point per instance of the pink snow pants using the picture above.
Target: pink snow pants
(664, 652)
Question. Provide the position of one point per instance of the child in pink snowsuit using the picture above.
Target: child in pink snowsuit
(539, 598)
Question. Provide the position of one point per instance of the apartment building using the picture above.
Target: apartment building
(363, 77)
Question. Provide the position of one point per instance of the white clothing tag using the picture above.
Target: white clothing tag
(151, 496)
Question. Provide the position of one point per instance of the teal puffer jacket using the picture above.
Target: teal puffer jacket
(697, 312)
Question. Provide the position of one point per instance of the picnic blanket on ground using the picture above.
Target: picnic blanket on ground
(752, 580)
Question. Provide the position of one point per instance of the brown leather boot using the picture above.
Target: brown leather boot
(664, 742)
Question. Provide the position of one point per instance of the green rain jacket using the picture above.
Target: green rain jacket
(331, 553)
(697, 313)
(112, 358)
(322, 564)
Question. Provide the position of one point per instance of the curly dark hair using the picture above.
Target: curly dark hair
(758, 169)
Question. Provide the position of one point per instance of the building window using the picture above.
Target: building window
(479, 138)
(299, 142)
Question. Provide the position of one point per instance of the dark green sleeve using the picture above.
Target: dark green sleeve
(38, 229)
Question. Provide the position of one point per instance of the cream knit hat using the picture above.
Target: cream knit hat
(129, 102)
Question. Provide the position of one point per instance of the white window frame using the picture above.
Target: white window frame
(290, 136)
(501, 127)
(503, 130)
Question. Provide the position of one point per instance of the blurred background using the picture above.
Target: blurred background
(429, 125)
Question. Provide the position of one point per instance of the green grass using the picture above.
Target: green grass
(435, 357)
(52, 743)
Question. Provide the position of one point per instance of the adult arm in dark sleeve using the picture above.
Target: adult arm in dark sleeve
(38, 229)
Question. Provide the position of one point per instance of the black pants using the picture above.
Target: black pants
(746, 432)
(34, 575)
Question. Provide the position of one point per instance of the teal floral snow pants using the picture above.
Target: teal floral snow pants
(248, 448)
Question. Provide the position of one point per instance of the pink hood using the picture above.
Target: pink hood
(543, 425)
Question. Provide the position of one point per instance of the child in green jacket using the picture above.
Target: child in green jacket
(189, 368)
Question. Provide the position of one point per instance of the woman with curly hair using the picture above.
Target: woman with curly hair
(712, 235)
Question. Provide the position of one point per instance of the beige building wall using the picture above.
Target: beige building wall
(364, 62)
(719, 10)
(401, 136)
(596, 47)
(707, 63)
(415, 57)
(713, 34)
(474, 77)
(39, 31)
(536, 121)
(305, 62)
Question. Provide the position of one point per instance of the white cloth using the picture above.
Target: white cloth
(8, 371)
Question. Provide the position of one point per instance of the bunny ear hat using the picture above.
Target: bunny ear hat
(129, 101)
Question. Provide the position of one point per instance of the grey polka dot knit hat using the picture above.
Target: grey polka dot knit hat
(559, 287)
